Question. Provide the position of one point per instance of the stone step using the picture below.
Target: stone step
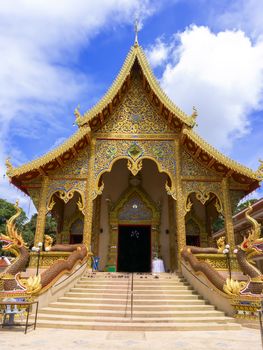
(122, 277)
(136, 313)
(136, 281)
(159, 319)
(143, 307)
(185, 296)
(139, 326)
(124, 290)
(127, 302)
(101, 301)
(140, 286)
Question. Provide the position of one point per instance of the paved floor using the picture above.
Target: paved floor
(49, 339)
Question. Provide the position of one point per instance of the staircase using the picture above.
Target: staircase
(102, 301)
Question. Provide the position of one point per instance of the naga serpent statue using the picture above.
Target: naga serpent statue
(12, 241)
(251, 246)
(11, 279)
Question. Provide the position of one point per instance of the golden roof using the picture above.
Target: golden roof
(94, 117)
(218, 156)
(50, 156)
(135, 52)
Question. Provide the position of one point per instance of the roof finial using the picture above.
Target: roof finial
(136, 29)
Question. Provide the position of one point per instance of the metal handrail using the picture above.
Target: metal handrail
(132, 297)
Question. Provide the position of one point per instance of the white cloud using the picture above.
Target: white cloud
(222, 75)
(243, 14)
(35, 38)
(158, 53)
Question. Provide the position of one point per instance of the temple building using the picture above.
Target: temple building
(135, 181)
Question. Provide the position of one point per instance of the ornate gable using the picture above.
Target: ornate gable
(136, 114)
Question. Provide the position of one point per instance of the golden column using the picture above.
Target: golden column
(229, 228)
(172, 232)
(42, 210)
(90, 188)
(179, 206)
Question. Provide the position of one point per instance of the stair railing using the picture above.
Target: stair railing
(132, 296)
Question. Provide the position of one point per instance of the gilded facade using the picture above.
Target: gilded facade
(135, 132)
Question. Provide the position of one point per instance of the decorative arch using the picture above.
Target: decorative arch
(107, 152)
(203, 197)
(65, 196)
(133, 207)
(134, 166)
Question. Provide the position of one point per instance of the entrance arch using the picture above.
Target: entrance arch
(138, 220)
(121, 192)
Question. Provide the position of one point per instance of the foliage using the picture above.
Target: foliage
(6, 211)
(218, 223)
(30, 228)
(244, 205)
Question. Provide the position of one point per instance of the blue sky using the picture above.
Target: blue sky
(57, 55)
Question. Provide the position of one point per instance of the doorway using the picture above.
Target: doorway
(134, 248)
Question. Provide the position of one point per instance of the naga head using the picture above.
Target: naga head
(12, 239)
(252, 243)
(221, 244)
(48, 242)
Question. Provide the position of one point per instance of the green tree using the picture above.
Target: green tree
(244, 205)
(218, 223)
(24, 226)
(30, 228)
(6, 211)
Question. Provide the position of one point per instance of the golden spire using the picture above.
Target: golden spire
(9, 166)
(259, 172)
(136, 30)
(193, 117)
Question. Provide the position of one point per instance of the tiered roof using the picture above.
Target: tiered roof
(94, 118)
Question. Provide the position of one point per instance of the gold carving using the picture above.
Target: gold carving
(202, 195)
(80, 205)
(136, 52)
(90, 185)
(259, 172)
(41, 218)
(9, 167)
(255, 232)
(219, 206)
(48, 242)
(57, 152)
(66, 196)
(218, 261)
(193, 117)
(136, 115)
(232, 287)
(228, 213)
(32, 284)
(171, 191)
(78, 115)
(221, 243)
(98, 191)
(231, 164)
(51, 204)
(188, 205)
(134, 167)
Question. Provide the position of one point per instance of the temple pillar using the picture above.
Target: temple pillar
(172, 232)
(90, 187)
(229, 228)
(96, 226)
(179, 207)
(42, 211)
